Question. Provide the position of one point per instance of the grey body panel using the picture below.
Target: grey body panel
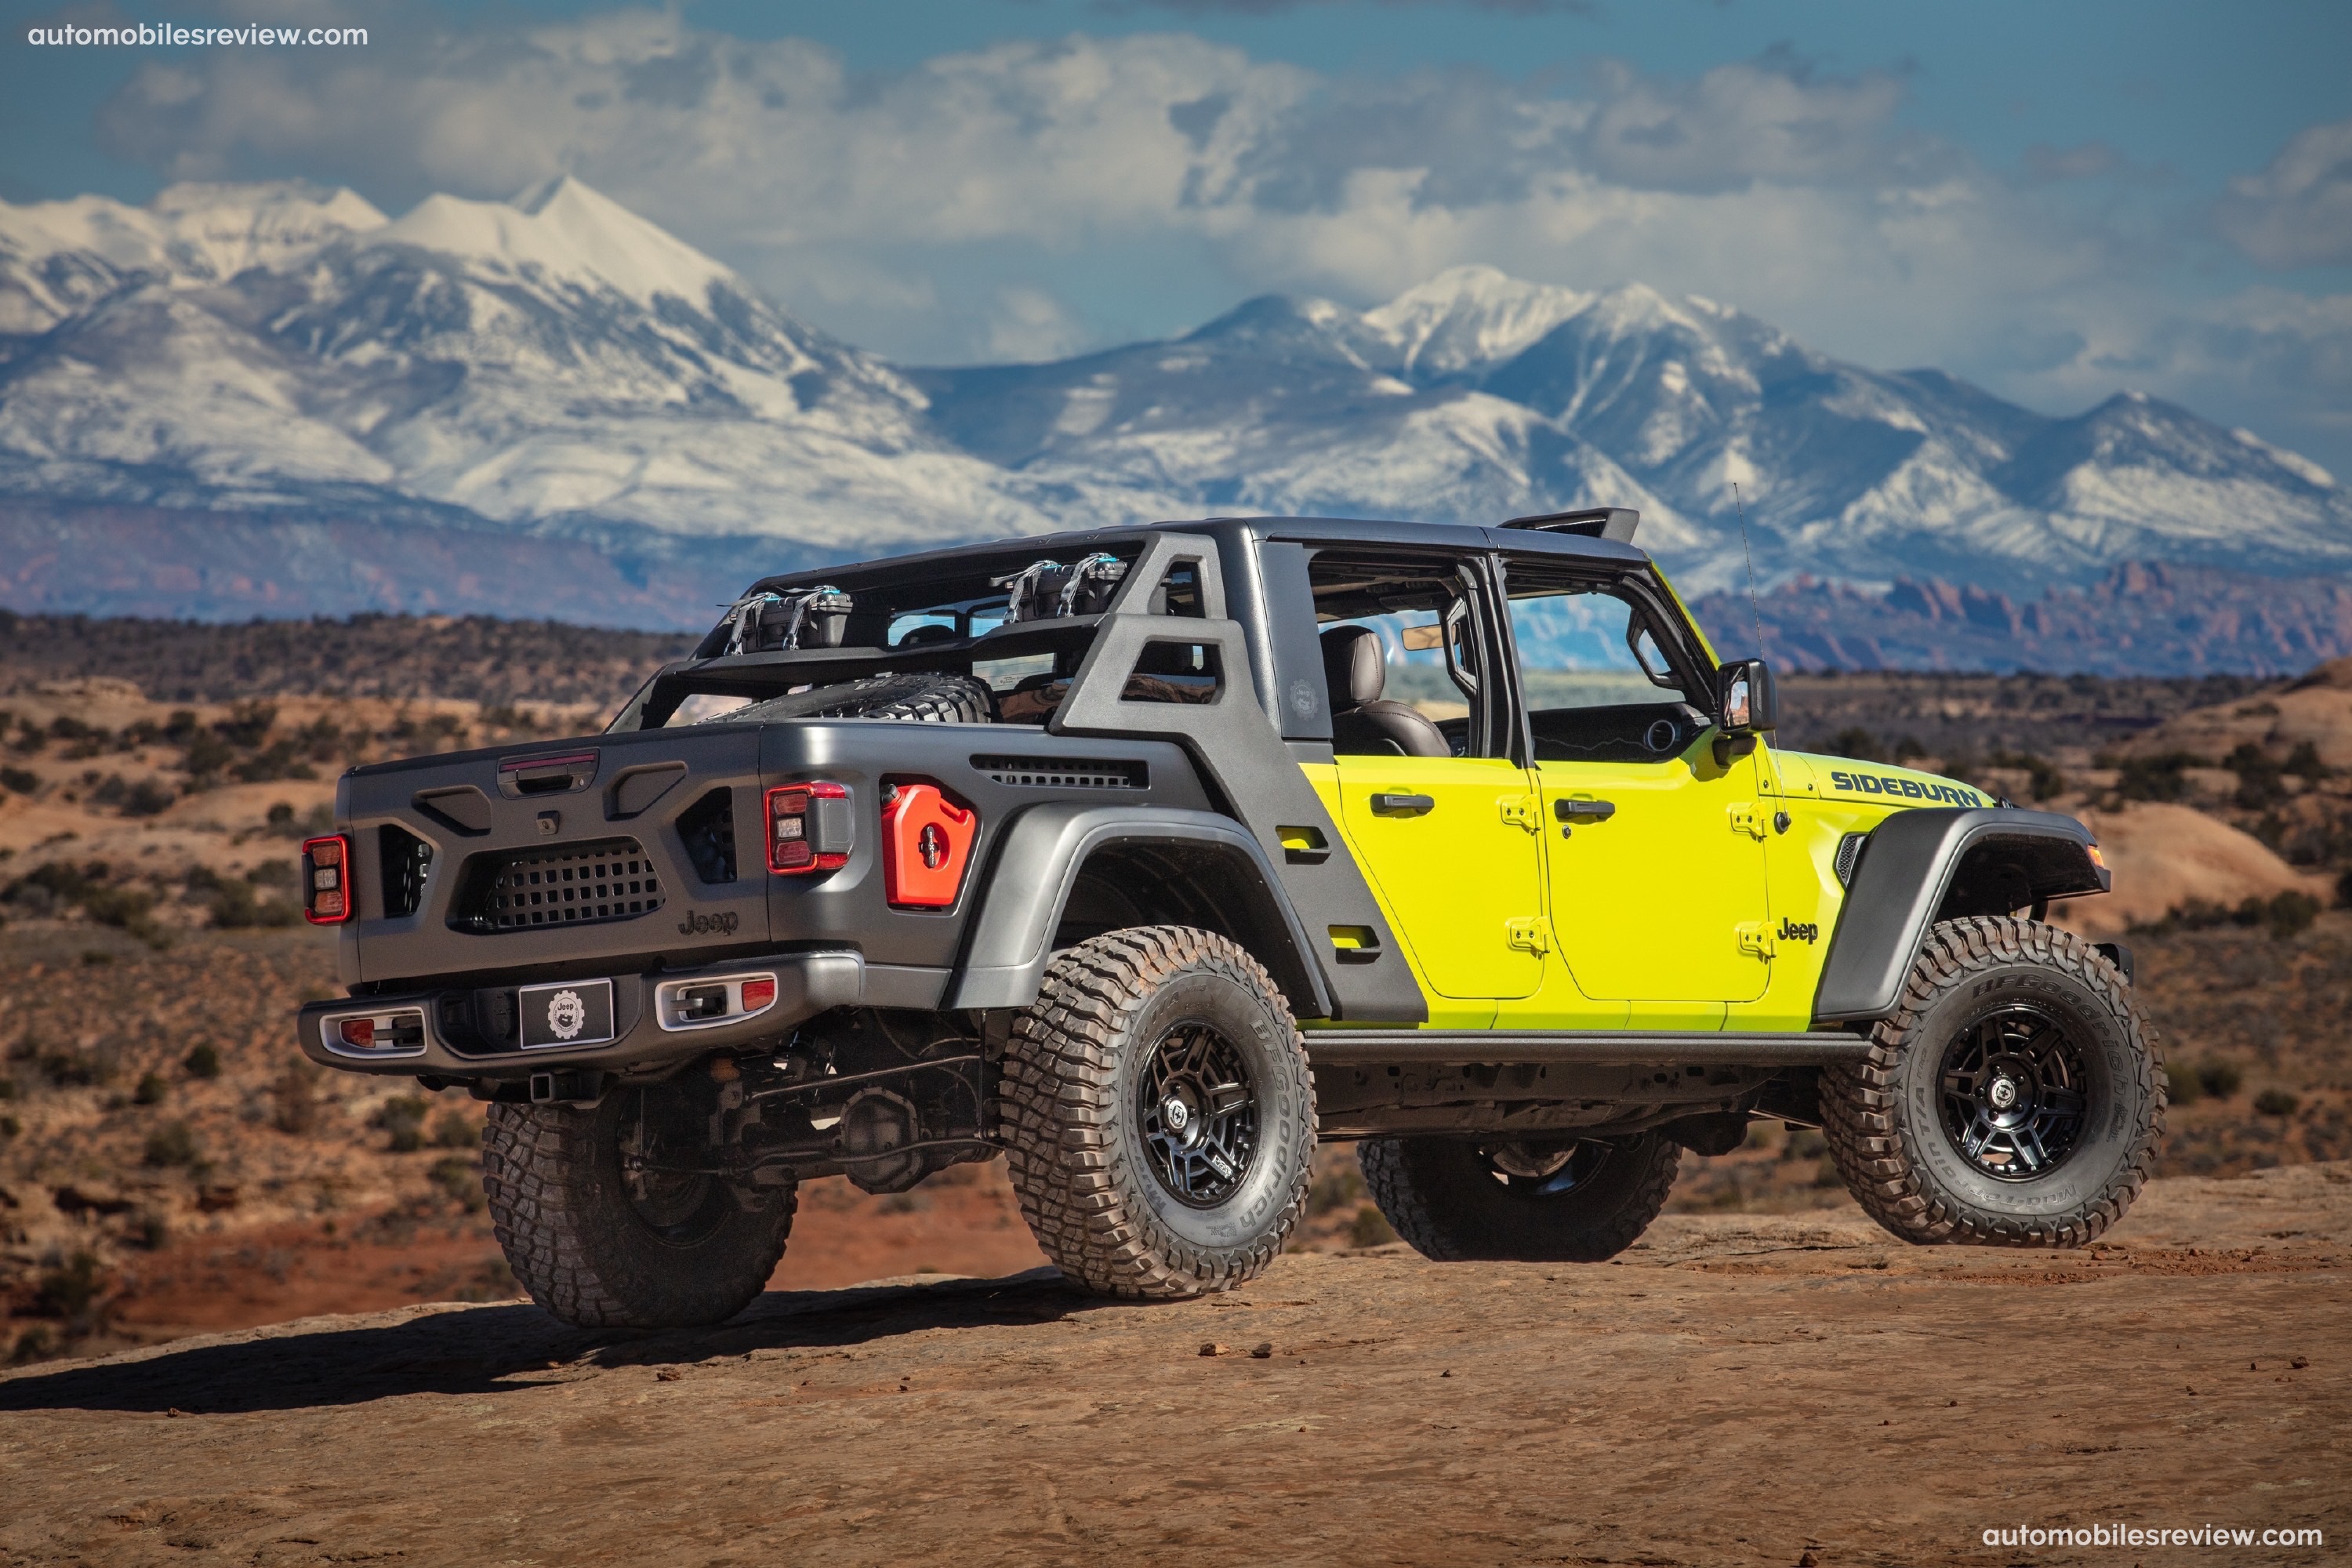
(1907, 868)
(1253, 775)
(1038, 862)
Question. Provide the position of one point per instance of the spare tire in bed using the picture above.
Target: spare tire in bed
(923, 696)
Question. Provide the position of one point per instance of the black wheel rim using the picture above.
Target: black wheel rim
(681, 1206)
(1197, 1104)
(1546, 1169)
(2015, 1091)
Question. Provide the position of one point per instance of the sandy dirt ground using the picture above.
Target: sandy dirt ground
(1737, 1389)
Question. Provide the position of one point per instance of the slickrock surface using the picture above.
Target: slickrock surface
(1737, 1389)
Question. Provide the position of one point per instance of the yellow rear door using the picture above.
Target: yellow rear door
(1449, 842)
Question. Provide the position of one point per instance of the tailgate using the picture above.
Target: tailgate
(567, 856)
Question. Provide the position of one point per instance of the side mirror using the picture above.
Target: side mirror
(1746, 700)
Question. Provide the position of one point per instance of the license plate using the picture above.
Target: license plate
(574, 1013)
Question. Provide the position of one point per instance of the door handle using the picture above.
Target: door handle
(1583, 810)
(1385, 804)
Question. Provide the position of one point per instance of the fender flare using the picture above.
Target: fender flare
(1907, 871)
(1009, 939)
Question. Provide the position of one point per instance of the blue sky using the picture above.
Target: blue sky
(2057, 201)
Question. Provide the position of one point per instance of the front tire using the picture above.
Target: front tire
(1160, 1115)
(600, 1240)
(2013, 1100)
(1566, 1200)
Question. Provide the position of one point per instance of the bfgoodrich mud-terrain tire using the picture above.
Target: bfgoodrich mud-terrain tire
(599, 1250)
(919, 696)
(2013, 1100)
(1159, 1113)
(1568, 1201)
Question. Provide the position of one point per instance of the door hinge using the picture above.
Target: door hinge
(1533, 934)
(1523, 811)
(1754, 937)
(1749, 818)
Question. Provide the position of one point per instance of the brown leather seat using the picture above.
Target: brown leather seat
(1363, 722)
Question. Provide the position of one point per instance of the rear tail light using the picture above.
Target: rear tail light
(925, 841)
(809, 828)
(327, 881)
(395, 1032)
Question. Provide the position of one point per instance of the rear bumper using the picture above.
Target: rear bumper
(439, 1032)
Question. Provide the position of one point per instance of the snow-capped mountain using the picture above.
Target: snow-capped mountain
(556, 366)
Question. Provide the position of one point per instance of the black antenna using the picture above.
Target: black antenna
(1753, 607)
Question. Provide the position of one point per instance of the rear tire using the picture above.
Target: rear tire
(2013, 1100)
(1160, 1115)
(1457, 1200)
(598, 1250)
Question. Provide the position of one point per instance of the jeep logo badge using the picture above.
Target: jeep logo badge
(707, 925)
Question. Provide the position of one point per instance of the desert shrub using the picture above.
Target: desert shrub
(9, 1128)
(2304, 763)
(150, 1230)
(67, 1068)
(203, 1062)
(151, 1090)
(1334, 1190)
(32, 1344)
(236, 907)
(1804, 1143)
(207, 754)
(2043, 779)
(2182, 1085)
(1858, 743)
(1826, 1174)
(2155, 778)
(2290, 914)
(294, 1098)
(7, 1087)
(456, 1177)
(248, 724)
(451, 1129)
(2276, 1102)
(171, 1144)
(20, 780)
(72, 1290)
(402, 1119)
(1370, 1228)
(2220, 1079)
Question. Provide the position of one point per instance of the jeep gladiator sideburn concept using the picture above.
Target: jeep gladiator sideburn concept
(1150, 856)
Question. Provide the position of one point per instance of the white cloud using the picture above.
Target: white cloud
(2298, 211)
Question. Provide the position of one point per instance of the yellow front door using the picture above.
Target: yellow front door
(1662, 898)
(1451, 842)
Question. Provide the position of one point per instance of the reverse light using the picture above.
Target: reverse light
(809, 828)
(327, 881)
(926, 838)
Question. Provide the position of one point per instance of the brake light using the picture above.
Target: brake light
(809, 828)
(927, 837)
(327, 881)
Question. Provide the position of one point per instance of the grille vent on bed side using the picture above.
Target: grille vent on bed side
(578, 884)
(403, 859)
(1064, 773)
